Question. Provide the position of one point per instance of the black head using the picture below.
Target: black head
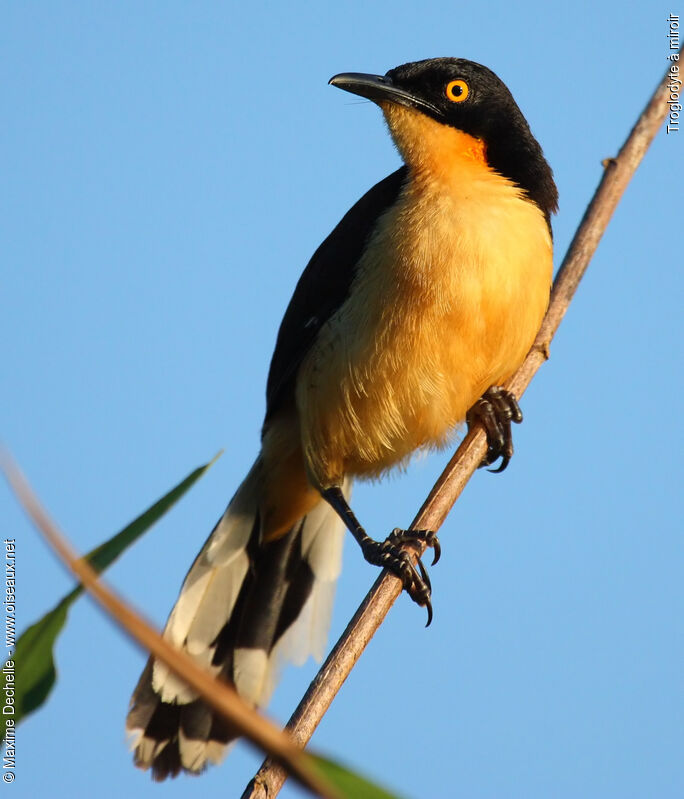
(471, 98)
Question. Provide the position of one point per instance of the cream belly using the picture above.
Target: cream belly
(447, 300)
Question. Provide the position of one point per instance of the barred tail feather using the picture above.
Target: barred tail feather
(243, 609)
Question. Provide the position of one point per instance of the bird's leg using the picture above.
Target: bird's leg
(390, 553)
(496, 409)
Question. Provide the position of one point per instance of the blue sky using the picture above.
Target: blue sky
(168, 169)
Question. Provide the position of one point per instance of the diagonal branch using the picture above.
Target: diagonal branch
(370, 615)
(220, 696)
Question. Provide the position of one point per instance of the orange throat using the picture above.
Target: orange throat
(430, 147)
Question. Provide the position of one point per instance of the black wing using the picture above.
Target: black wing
(324, 286)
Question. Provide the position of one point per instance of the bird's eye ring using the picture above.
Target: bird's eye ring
(457, 91)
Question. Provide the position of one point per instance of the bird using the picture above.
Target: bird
(406, 323)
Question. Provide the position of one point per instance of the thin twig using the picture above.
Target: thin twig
(370, 615)
(261, 732)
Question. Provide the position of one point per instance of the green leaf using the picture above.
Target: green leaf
(33, 659)
(36, 674)
(348, 784)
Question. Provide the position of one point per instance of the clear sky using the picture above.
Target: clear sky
(167, 170)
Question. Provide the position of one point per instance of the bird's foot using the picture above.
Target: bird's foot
(391, 555)
(496, 409)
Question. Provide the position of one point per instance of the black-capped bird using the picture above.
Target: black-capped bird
(407, 321)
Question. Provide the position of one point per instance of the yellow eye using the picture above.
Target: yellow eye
(457, 91)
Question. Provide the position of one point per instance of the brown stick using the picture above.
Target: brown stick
(618, 172)
(224, 699)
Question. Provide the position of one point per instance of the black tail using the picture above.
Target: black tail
(243, 607)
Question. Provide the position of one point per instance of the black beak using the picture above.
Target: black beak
(379, 88)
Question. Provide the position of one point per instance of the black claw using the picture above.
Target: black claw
(496, 409)
(428, 537)
(423, 574)
(391, 555)
(505, 460)
(428, 605)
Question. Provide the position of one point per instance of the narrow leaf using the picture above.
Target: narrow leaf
(101, 557)
(33, 659)
(242, 716)
(349, 784)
